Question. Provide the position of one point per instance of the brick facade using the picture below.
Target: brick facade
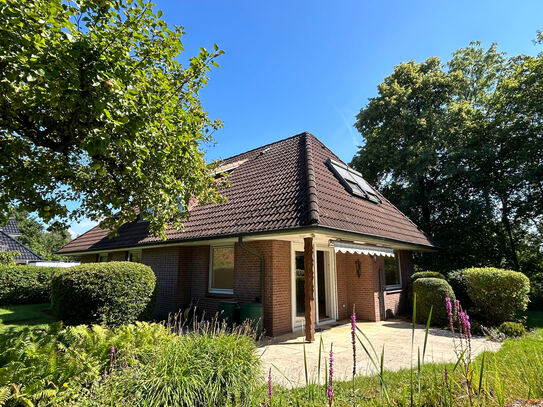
(183, 277)
(117, 256)
(165, 264)
(362, 292)
(88, 258)
(194, 270)
(365, 292)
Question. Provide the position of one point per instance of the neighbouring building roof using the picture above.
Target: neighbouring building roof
(11, 228)
(8, 243)
(280, 186)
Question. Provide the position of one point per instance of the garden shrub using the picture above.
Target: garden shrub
(430, 294)
(496, 293)
(512, 329)
(139, 364)
(459, 284)
(113, 293)
(416, 276)
(25, 284)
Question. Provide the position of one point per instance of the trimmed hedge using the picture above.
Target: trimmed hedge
(431, 294)
(25, 284)
(113, 293)
(416, 276)
(496, 293)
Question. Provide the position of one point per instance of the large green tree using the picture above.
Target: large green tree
(457, 147)
(97, 107)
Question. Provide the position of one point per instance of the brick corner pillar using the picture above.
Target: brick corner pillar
(309, 290)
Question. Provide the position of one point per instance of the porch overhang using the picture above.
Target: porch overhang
(350, 247)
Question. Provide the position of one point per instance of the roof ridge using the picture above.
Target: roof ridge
(312, 200)
(263, 146)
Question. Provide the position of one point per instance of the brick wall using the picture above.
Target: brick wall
(165, 264)
(362, 292)
(194, 267)
(88, 258)
(117, 256)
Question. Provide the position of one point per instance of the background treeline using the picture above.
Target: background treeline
(458, 147)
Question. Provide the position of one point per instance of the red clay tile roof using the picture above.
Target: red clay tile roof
(280, 186)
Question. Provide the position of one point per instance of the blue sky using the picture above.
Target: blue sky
(311, 65)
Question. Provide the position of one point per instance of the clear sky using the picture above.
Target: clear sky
(292, 66)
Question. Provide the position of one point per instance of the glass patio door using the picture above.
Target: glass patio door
(321, 284)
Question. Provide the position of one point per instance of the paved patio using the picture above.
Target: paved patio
(286, 352)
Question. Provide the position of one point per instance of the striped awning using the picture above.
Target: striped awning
(348, 247)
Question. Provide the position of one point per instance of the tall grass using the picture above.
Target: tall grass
(133, 365)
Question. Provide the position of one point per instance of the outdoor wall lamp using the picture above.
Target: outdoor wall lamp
(358, 266)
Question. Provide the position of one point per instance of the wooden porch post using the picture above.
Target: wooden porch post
(309, 290)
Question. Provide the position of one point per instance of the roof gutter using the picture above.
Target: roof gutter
(261, 259)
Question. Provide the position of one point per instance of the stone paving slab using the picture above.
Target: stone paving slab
(286, 352)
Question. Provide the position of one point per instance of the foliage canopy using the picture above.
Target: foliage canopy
(96, 107)
(458, 148)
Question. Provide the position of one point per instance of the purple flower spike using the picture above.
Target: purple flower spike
(270, 387)
(448, 306)
(331, 379)
(464, 319)
(456, 306)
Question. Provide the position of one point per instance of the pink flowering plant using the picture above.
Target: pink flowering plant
(460, 327)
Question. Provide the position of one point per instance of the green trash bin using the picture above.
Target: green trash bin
(227, 312)
(254, 312)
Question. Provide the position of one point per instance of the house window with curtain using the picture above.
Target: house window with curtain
(221, 270)
(393, 277)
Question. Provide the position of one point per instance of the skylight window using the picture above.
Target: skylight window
(352, 181)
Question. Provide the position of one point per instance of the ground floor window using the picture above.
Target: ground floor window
(134, 256)
(102, 257)
(221, 270)
(393, 278)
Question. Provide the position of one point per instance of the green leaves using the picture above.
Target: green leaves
(458, 148)
(100, 81)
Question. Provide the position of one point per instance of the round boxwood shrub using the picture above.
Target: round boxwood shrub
(497, 294)
(512, 329)
(430, 294)
(113, 293)
(25, 284)
(416, 276)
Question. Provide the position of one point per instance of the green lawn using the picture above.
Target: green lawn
(19, 316)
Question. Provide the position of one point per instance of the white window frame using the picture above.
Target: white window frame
(395, 286)
(210, 289)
